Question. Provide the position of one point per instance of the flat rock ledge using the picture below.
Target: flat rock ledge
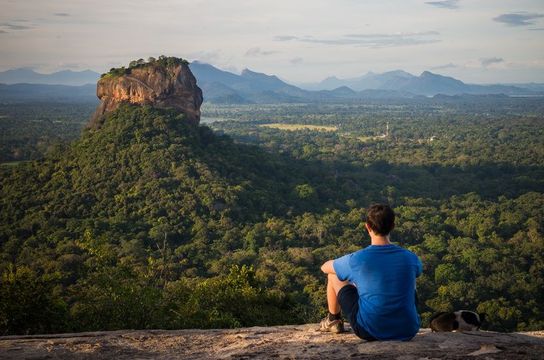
(279, 342)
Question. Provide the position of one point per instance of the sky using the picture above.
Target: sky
(301, 41)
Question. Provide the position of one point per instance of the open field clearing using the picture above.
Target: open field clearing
(294, 127)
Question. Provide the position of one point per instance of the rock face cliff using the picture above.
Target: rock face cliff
(160, 84)
(280, 342)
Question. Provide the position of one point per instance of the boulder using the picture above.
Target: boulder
(155, 84)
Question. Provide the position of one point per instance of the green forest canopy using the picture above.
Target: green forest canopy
(149, 222)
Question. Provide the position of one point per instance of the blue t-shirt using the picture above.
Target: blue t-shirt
(385, 277)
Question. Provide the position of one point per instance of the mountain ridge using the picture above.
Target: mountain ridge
(224, 87)
(256, 87)
(426, 84)
(62, 77)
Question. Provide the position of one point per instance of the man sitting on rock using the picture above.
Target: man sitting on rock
(375, 286)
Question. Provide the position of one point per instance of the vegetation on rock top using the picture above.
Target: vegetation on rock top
(162, 61)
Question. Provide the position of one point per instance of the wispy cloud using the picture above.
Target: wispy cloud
(490, 61)
(256, 51)
(61, 14)
(296, 61)
(72, 65)
(285, 38)
(14, 27)
(446, 4)
(537, 29)
(213, 56)
(445, 66)
(518, 19)
(370, 40)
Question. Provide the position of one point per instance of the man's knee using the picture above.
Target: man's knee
(336, 283)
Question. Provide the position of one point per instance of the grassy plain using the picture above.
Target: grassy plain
(294, 127)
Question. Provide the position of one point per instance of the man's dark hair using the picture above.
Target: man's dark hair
(381, 219)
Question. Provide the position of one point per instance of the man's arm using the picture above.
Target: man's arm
(328, 268)
(339, 267)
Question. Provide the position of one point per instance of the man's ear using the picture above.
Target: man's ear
(368, 228)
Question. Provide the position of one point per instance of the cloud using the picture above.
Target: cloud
(296, 61)
(213, 56)
(3, 31)
(490, 61)
(537, 29)
(445, 4)
(284, 38)
(256, 51)
(72, 65)
(370, 40)
(15, 27)
(518, 19)
(61, 14)
(445, 66)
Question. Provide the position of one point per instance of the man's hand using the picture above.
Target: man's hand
(327, 267)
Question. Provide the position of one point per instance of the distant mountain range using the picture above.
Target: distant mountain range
(427, 84)
(20, 93)
(64, 77)
(224, 87)
(370, 80)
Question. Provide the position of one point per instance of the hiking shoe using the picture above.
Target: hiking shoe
(334, 326)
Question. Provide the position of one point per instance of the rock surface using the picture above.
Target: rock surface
(280, 342)
(172, 86)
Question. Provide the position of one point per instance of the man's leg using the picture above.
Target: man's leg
(333, 287)
(333, 322)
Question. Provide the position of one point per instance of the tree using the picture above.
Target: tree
(28, 304)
